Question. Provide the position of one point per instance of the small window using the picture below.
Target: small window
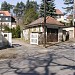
(1, 14)
(5, 35)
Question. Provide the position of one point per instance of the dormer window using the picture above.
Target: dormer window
(1, 14)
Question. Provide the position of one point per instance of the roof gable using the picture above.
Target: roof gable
(52, 21)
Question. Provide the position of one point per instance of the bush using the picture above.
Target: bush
(16, 32)
(7, 29)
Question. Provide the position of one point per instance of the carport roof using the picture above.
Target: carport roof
(49, 21)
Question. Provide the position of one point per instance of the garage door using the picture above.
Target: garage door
(52, 35)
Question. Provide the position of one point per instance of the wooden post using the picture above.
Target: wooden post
(44, 24)
(73, 12)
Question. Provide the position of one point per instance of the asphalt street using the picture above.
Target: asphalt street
(36, 60)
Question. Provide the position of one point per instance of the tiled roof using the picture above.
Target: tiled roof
(52, 21)
(49, 20)
(58, 12)
(6, 13)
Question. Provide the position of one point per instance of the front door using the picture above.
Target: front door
(52, 35)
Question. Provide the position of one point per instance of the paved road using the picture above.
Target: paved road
(35, 60)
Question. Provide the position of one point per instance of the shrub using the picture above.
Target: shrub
(16, 32)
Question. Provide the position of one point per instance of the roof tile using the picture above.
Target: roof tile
(49, 20)
(6, 13)
(58, 12)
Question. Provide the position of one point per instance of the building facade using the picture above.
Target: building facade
(6, 19)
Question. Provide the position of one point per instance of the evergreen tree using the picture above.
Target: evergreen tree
(27, 5)
(18, 32)
(69, 5)
(19, 8)
(31, 13)
(50, 8)
(6, 6)
(31, 4)
(30, 16)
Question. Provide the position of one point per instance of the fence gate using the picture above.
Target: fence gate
(34, 38)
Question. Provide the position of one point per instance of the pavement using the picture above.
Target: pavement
(37, 60)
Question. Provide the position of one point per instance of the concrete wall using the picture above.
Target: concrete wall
(26, 32)
(7, 39)
(1, 40)
(71, 32)
(60, 35)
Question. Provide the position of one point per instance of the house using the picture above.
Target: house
(70, 29)
(59, 15)
(6, 19)
(53, 29)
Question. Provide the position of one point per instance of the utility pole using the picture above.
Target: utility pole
(1, 24)
(73, 12)
(73, 24)
(44, 24)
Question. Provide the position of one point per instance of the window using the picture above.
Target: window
(1, 14)
(0, 18)
(5, 35)
(6, 18)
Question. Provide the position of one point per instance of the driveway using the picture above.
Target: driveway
(34, 60)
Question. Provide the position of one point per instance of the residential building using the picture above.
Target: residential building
(59, 15)
(69, 19)
(6, 19)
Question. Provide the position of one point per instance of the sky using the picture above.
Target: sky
(58, 3)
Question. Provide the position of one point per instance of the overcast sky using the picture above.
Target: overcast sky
(59, 3)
